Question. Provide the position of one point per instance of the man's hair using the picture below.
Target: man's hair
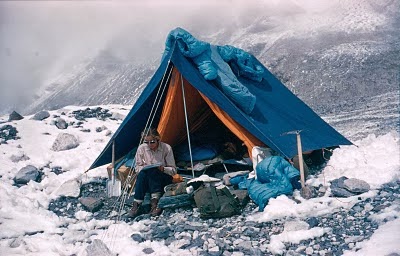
(151, 132)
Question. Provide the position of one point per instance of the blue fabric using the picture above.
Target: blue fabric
(240, 181)
(199, 152)
(274, 176)
(213, 67)
(241, 62)
(276, 111)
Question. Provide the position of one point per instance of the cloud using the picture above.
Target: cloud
(41, 40)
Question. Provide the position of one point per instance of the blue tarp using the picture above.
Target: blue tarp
(276, 110)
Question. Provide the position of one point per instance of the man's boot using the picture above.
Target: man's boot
(155, 211)
(135, 211)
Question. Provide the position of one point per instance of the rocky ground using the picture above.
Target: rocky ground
(235, 235)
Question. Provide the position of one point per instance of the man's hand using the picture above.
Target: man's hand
(161, 168)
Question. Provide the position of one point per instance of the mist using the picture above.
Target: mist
(40, 41)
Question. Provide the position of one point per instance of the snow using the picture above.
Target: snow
(28, 228)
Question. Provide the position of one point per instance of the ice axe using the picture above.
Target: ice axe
(305, 191)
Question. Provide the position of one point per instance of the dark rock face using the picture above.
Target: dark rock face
(27, 174)
(61, 123)
(14, 116)
(98, 113)
(8, 132)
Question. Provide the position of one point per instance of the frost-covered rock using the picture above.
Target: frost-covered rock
(98, 248)
(20, 156)
(41, 115)
(71, 188)
(356, 186)
(65, 141)
(117, 116)
(27, 174)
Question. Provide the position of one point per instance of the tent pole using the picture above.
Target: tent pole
(187, 125)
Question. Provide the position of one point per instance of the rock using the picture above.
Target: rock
(71, 188)
(306, 192)
(91, 204)
(27, 174)
(17, 242)
(338, 182)
(98, 248)
(14, 116)
(356, 186)
(341, 192)
(41, 115)
(65, 141)
(19, 157)
(117, 116)
(312, 222)
(138, 238)
(148, 250)
(8, 132)
(61, 123)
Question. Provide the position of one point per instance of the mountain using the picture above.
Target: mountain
(332, 57)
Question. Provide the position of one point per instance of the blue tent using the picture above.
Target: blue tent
(244, 95)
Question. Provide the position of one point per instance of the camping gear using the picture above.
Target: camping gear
(274, 178)
(175, 189)
(216, 202)
(256, 113)
(113, 185)
(177, 178)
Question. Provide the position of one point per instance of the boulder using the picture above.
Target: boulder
(71, 188)
(61, 123)
(356, 186)
(65, 141)
(91, 204)
(14, 116)
(27, 174)
(39, 116)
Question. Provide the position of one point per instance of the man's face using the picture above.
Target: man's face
(151, 142)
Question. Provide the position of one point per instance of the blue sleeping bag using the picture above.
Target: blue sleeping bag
(274, 178)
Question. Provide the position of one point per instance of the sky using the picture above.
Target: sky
(374, 159)
(40, 40)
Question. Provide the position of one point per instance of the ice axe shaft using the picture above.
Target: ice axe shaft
(301, 164)
(300, 154)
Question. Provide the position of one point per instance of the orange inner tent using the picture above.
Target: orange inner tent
(172, 124)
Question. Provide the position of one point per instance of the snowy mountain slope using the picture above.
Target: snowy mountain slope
(326, 54)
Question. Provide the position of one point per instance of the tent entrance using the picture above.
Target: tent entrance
(207, 123)
(210, 127)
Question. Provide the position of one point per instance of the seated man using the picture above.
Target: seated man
(155, 164)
